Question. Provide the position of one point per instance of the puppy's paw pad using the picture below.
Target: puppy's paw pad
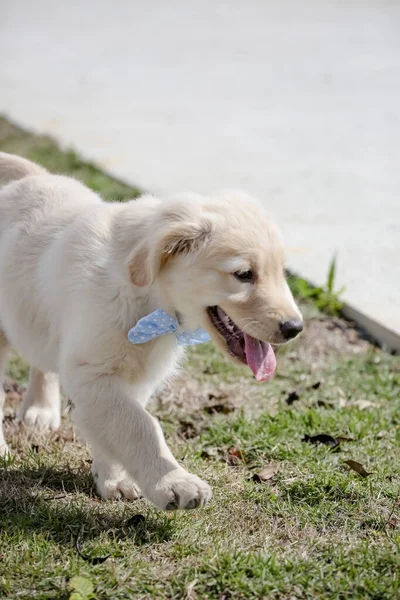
(180, 490)
(43, 418)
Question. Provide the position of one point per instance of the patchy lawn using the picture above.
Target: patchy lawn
(289, 519)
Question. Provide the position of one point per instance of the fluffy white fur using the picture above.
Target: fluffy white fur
(77, 273)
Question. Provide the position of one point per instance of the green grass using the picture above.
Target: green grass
(314, 530)
(44, 150)
(326, 298)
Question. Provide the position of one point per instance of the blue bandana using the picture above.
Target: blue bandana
(160, 323)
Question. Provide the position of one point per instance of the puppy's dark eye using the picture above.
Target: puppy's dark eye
(245, 276)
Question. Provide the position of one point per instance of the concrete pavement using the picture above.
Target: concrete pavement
(297, 102)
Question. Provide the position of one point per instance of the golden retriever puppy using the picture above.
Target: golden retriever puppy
(77, 274)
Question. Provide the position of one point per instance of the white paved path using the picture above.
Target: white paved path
(296, 101)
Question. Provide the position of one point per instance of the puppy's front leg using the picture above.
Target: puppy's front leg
(110, 417)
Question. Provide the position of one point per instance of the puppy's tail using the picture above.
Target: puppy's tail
(14, 167)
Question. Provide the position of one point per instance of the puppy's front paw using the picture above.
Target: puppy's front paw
(179, 489)
(114, 485)
(44, 418)
(111, 489)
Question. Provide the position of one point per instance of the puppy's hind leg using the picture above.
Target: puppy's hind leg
(4, 348)
(41, 402)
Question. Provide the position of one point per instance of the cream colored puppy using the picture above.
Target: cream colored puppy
(77, 273)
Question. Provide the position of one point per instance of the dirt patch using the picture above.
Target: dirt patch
(325, 339)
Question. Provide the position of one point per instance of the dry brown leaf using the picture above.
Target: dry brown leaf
(189, 429)
(217, 396)
(357, 467)
(234, 457)
(219, 407)
(267, 473)
(322, 438)
(137, 520)
(292, 397)
(316, 385)
(325, 404)
(209, 453)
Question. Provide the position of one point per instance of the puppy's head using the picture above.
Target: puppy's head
(219, 264)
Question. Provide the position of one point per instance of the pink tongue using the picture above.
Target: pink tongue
(260, 358)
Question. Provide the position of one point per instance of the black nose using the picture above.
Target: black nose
(290, 329)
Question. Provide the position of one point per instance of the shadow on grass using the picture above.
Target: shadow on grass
(60, 504)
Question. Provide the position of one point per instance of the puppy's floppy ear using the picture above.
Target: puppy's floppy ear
(184, 238)
(177, 236)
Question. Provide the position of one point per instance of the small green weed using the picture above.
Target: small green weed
(83, 588)
(325, 298)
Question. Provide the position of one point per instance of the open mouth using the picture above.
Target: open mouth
(258, 355)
